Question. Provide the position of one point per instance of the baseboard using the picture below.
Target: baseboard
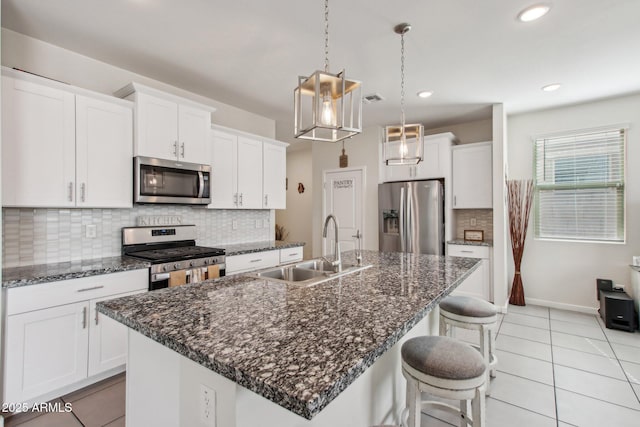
(562, 306)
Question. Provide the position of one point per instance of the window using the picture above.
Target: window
(579, 186)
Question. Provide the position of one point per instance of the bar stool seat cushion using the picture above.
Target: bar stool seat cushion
(443, 357)
(468, 306)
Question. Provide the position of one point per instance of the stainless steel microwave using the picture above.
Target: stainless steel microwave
(169, 181)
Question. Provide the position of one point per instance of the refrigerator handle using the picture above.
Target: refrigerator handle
(402, 230)
(409, 223)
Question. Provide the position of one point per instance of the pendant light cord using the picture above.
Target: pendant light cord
(402, 122)
(326, 36)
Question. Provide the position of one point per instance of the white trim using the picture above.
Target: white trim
(562, 306)
(586, 131)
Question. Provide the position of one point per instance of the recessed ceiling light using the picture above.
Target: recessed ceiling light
(425, 93)
(551, 87)
(533, 12)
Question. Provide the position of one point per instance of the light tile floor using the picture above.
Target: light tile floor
(99, 405)
(555, 368)
(559, 368)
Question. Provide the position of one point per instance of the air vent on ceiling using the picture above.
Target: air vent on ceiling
(374, 97)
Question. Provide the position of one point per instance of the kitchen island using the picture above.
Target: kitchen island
(242, 351)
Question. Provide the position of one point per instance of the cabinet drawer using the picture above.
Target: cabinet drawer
(290, 255)
(469, 251)
(252, 261)
(35, 297)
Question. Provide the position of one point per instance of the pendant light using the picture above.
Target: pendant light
(403, 143)
(328, 107)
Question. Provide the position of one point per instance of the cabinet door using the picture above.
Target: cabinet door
(472, 176)
(249, 173)
(38, 145)
(157, 127)
(104, 148)
(45, 350)
(398, 173)
(193, 130)
(429, 167)
(107, 339)
(274, 163)
(224, 159)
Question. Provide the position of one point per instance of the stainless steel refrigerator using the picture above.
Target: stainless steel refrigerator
(411, 217)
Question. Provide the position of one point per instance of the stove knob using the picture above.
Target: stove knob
(176, 266)
(164, 268)
(190, 263)
(206, 261)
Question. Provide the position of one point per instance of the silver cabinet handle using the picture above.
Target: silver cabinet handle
(240, 199)
(266, 200)
(175, 149)
(71, 191)
(97, 316)
(182, 150)
(467, 252)
(454, 200)
(235, 199)
(293, 254)
(83, 190)
(256, 260)
(90, 289)
(84, 317)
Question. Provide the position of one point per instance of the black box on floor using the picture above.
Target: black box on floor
(617, 310)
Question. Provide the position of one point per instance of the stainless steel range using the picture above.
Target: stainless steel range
(175, 258)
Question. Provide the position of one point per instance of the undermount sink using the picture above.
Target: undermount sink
(307, 273)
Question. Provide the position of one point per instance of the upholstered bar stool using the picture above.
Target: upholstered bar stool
(476, 314)
(447, 368)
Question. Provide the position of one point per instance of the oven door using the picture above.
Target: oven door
(182, 277)
(166, 181)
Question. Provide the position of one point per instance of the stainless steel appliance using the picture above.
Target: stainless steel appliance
(173, 254)
(168, 181)
(411, 217)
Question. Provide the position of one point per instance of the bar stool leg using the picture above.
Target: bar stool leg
(464, 416)
(414, 403)
(484, 350)
(492, 349)
(477, 406)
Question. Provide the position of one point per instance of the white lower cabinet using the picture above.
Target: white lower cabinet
(257, 260)
(479, 283)
(288, 255)
(55, 338)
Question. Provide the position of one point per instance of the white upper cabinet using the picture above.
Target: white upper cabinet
(247, 171)
(104, 147)
(435, 162)
(63, 146)
(168, 127)
(472, 176)
(274, 174)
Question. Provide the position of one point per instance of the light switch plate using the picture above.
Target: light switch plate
(265, 223)
(91, 231)
(473, 222)
(258, 223)
(234, 224)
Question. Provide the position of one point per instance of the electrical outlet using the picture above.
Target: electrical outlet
(265, 223)
(473, 222)
(91, 231)
(207, 406)
(234, 224)
(258, 223)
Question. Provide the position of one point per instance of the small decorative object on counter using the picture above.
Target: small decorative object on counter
(474, 235)
(281, 232)
(519, 197)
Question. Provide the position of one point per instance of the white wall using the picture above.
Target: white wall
(42, 58)
(467, 133)
(563, 273)
(297, 217)
(362, 151)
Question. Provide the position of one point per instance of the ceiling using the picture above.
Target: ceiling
(249, 54)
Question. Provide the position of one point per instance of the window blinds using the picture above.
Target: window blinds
(579, 186)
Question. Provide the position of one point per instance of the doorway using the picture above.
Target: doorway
(343, 196)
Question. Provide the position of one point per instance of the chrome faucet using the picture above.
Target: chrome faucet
(358, 237)
(337, 263)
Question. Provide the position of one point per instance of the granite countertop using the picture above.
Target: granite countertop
(470, 243)
(299, 347)
(43, 273)
(269, 245)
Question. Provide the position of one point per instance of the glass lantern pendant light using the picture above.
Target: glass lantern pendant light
(328, 107)
(403, 143)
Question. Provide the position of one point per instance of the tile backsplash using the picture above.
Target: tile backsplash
(483, 219)
(40, 236)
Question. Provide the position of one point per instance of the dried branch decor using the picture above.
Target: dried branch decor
(519, 198)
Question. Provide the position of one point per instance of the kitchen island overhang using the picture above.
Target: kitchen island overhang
(298, 347)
